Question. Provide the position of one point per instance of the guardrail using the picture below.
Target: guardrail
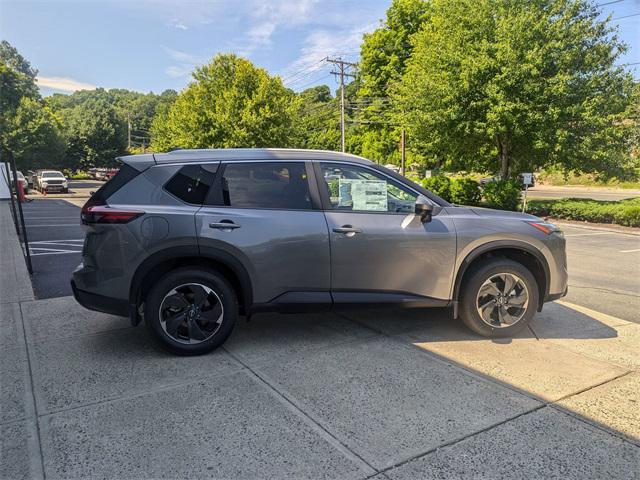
(10, 177)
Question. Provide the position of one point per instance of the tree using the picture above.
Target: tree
(384, 55)
(385, 51)
(33, 135)
(509, 85)
(95, 133)
(231, 103)
(316, 115)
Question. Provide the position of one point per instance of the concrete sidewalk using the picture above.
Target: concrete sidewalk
(384, 394)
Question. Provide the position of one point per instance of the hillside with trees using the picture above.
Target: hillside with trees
(493, 86)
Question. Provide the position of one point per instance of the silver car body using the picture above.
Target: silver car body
(294, 259)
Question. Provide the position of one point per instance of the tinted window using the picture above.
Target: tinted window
(124, 175)
(264, 185)
(191, 183)
(359, 189)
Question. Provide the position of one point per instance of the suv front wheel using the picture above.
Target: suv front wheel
(499, 298)
(191, 311)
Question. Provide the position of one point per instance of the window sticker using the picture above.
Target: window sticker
(360, 194)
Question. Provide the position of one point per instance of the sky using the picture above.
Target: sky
(153, 45)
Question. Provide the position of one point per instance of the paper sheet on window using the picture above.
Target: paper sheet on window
(360, 194)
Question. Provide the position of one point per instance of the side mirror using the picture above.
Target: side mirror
(424, 209)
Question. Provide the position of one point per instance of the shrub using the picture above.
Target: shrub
(502, 194)
(465, 191)
(440, 185)
(623, 212)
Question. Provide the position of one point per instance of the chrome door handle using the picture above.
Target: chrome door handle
(347, 230)
(224, 225)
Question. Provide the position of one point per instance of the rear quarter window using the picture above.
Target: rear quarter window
(191, 183)
(124, 176)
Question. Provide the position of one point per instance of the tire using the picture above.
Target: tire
(65, 190)
(183, 324)
(495, 277)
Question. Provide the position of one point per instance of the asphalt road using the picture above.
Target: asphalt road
(604, 266)
(599, 193)
(55, 241)
(604, 271)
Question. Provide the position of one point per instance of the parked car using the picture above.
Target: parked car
(187, 240)
(21, 179)
(30, 178)
(51, 181)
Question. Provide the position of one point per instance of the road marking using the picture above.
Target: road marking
(58, 225)
(589, 234)
(609, 320)
(43, 247)
(60, 252)
(630, 251)
(69, 217)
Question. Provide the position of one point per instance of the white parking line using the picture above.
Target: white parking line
(589, 234)
(57, 225)
(43, 247)
(630, 251)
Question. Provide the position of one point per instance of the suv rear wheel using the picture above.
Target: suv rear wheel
(191, 311)
(499, 299)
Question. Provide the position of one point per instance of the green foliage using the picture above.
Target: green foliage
(464, 191)
(510, 86)
(503, 194)
(440, 185)
(385, 51)
(231, 103)
(33, 135)
(315, 123)
(94, 130)
(623, 212)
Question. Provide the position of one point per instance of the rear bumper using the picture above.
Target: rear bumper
(100, 303)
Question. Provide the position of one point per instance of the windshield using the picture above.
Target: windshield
(52, 175)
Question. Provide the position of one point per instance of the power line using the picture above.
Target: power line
(608, 3)
(304, 85)
(626, 16)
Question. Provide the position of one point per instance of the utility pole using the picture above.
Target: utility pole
(341, 70)
(403, 156)
(128, 132)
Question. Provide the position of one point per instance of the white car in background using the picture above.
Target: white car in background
(51, 181)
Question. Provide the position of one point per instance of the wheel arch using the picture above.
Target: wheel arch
(520, 252)
(176, 257)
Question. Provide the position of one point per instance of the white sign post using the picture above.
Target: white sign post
(527, 180)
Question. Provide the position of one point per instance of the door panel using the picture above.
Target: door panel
(395, 253)
(284, 249)
(377, 243)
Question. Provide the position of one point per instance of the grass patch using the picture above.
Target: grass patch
(623, 212)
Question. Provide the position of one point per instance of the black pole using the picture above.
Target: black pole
(24, 228)
(14, 214)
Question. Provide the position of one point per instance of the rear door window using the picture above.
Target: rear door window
(192, 182)
(275, 185)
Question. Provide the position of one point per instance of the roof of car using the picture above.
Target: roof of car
(239, 154)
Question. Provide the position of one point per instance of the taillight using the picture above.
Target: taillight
(95, 211)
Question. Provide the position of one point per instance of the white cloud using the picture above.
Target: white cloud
(64, 84)
(175, 23)
(187, 62)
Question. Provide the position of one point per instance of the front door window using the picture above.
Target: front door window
(356, 189)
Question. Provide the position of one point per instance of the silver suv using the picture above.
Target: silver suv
(187, 240)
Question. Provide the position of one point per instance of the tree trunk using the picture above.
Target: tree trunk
(504, 159)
